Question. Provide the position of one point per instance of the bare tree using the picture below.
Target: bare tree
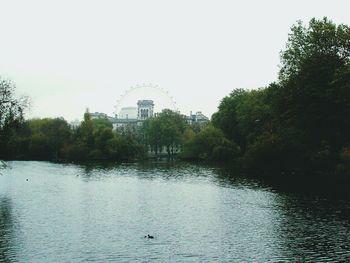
(11, 108)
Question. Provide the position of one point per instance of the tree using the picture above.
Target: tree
(47, 137)
(315, 91)
(85, 132)
(10, 107)
(102, 136)
(102, 122)
(226, 118)
(300, 122)
(209, 144)
(165, 130)
(11, 115)
(320, 38)
(244, 114)
(151, 134)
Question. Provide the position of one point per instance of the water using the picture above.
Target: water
(72, 213)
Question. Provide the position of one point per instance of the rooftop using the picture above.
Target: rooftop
(145, 102)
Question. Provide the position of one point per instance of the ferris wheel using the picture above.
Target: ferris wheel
(146, 91)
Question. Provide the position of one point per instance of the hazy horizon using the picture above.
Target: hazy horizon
(70, 55)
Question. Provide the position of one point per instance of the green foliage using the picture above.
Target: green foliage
(47, 137)
(151, 134)
(243, 114)
(226, 118)
(344, 165)
(95, 140)
(75, 152)
(125, 149)
(209, 144)
(165, 131)
(301, 122)
(102, 122)
(320, 38)
(53, 139)
(101, 138)
(276, 151)
(315, 91)
(84, 133)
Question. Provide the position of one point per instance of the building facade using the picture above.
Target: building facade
(128, 113)
(199, 118)
(145, 109)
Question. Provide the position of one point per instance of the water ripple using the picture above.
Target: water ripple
(101, 213)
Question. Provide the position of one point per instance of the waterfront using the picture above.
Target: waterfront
(79, 213)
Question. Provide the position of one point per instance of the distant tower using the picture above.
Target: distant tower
(144, 109)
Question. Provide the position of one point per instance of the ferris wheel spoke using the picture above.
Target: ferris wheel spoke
(156, 88)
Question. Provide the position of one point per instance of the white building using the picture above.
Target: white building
(98, 115)
(145, 109)
(128, 113)
(199, 117)
(129, 117)
(132, 116)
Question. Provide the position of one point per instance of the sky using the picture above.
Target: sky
(71, 55)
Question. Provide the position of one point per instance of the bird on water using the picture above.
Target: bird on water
(148, 236)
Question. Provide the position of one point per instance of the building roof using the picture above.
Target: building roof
(129, 108)
(145, 102)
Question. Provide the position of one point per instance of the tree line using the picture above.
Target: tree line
(55, 139)
(300, 122)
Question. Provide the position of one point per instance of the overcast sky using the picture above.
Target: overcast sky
(69, 55)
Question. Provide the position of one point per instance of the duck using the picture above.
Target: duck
(149, 236)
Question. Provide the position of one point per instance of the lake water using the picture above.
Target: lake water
(77, 213)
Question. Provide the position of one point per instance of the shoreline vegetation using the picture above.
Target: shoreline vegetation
(299, 124)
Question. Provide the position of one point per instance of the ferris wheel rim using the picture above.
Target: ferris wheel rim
(165, 92)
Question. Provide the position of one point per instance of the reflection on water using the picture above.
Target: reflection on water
(101, 212)
(315, 229)
(6, 231)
